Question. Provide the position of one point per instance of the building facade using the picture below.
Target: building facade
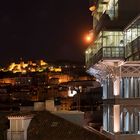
(114, 59)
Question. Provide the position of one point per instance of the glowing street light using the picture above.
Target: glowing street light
(88, 38)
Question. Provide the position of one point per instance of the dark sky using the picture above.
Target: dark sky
(43, 29)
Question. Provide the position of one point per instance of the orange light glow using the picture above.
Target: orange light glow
(88, 38)
(92, 8)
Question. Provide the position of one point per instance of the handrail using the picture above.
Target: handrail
(113, 52)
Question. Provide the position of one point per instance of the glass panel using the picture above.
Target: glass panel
(128, 36)
(108, 44)
(128, 50)
(113, 9)
(138, 30)
(113, 39)
(132, 41)
(134, 33)
(113, 52)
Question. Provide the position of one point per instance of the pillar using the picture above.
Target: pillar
(116, 110)
(132, 123)
(122, 122)
(117, 86)
(126, 122)
(136, 87)
(131, 87)
(105, 89)
(105, 116)
(136, 123)
(126, 87)
(139, 123)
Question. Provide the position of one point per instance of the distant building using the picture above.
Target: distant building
(73, 92)
(28, 67)
(42, 85)
(6, 81)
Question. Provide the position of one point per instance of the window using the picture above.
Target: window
(113, 9)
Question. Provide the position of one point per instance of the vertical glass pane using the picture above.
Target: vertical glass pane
(138, 30)
(134, 33)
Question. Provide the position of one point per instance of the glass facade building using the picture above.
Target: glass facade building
(114, 59)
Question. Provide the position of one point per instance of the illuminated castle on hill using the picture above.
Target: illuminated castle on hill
(30, 66)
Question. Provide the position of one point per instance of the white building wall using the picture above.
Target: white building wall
(18, 127)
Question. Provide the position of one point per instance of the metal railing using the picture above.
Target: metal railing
(113, 52)
(107, 53)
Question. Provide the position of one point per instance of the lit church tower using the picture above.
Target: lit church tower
(114, 59)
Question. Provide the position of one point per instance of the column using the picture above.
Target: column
(111, 119)
(132, 123)
(108, 118)
(121, 88)
(139, 123)
(131, 87)
(116, 110)
(105, 89)
(104, 118)
(136, 87)
(111, 88)
(136, 123)
(126, 122)
(108, 87)
(117, 86)
(126, 88)
(122, 122)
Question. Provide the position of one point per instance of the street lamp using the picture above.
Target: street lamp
(88, 38)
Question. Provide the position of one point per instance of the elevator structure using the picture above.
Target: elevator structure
(114, 59)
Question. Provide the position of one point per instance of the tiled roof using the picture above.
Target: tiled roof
(46, 126)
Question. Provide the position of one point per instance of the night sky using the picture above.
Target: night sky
(43, 29)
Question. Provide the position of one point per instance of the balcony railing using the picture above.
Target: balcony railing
(107, 53)
(133, 50)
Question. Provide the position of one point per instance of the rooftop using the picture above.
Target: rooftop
(45, 125)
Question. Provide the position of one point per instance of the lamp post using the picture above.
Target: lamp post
(88, 38)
